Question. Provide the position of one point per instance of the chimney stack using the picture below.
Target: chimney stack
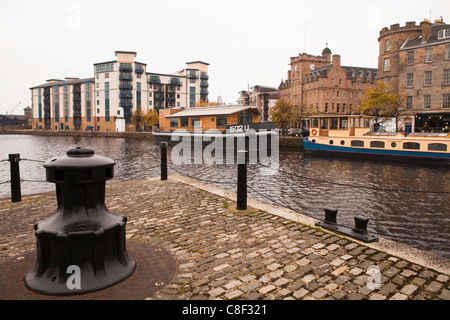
(426, 30)
(336, 60)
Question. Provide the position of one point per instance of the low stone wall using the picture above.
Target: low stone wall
(292, 142)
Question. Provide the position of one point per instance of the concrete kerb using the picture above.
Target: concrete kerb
(400, 250)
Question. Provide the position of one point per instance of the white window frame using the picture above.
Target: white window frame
(446, 101)
(427, 101)
(446, 76)
(427, 79)
(386, 64)
(447, 53)
(429, 55)
(409, 80)
(444, 33)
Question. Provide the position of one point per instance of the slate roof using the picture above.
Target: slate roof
(417, 41)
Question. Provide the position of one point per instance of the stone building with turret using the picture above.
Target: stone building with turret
(415, 60)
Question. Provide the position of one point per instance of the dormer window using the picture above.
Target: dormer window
(444, 33)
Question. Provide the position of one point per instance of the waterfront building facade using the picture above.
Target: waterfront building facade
(415, 60)
(321, 85)
(117, 90)
(262, 97)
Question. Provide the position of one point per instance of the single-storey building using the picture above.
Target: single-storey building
(206, 118)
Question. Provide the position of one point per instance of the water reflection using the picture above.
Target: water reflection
(420, 219)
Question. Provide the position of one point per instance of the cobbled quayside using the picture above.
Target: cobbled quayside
(223, 253)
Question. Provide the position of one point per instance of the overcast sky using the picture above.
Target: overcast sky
(245, 42)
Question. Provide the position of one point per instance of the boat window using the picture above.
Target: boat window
(357, 123)
(342, 142)
(315, 123)
(323, 123)
(357, 143)
(411, 145)
(334, 123)
(377, 144)
(437, 147)
(343, 123)
(393, 144)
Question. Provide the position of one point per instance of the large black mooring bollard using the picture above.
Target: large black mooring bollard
(242, 180)
(163, 146)
(361, 225)
(82, 248)
(330, 216)
(16, 194)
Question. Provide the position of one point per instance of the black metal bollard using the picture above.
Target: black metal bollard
(330, 216)
(242, 180)
(16, 195)
(361, 225)
(359, 232)
(83, 234)
(163, 146)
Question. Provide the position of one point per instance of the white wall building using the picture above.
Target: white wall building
(93, 103)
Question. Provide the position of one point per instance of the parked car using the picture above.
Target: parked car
(302, 132)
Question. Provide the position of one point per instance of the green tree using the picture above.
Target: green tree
(380, 102)
(283, 114)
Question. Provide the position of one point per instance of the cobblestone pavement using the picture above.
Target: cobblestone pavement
(223, 253)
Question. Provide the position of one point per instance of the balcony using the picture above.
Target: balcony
(126, 104)
(126, 85)
(125, 67)
(154, 79)
(204, 91)
(125, 76)
(126, 95)
(175, 81)
(204, 76)
(138, 68)
(204, 83)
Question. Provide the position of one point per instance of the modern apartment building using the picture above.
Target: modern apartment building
(262, 97)
(119, 87)
(415, 60)
(321, 85)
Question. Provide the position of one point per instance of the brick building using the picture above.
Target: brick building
(321, 85)
(415, 60)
